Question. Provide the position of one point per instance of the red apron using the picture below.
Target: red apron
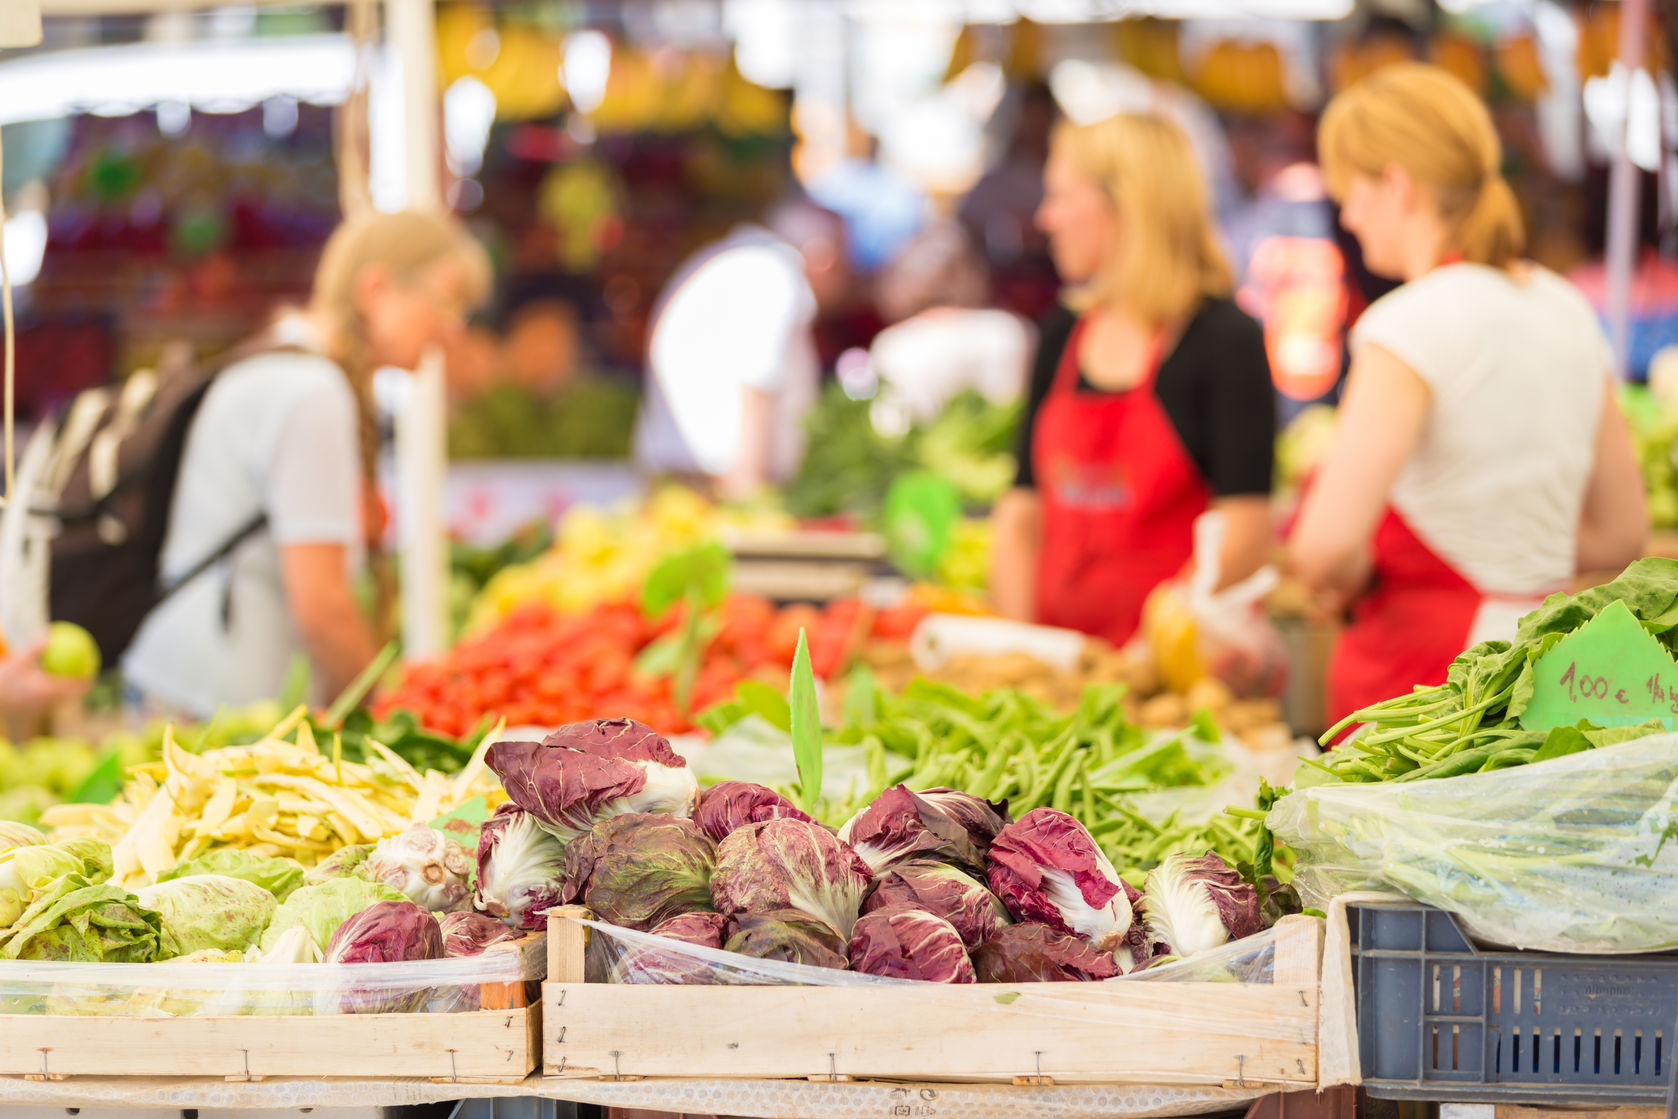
(1407, 629)
(1120, 495)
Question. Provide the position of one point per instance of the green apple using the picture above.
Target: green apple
(70, 651)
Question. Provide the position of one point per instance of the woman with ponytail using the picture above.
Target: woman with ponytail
(278, 478)
(1480, 460)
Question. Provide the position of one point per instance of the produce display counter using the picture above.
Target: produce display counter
(765, 1098)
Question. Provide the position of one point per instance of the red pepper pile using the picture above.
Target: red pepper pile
(539, 667)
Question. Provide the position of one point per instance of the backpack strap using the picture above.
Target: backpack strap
(256, 347)
(245, 531)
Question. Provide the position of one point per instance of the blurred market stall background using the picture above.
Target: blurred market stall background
(172, 169)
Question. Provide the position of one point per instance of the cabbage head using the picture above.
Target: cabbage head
(322, 908)
(278, 876)
(209, 911)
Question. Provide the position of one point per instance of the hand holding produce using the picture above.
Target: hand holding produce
(70, 652)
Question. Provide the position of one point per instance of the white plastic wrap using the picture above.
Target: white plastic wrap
(1575, 854)
(1244, 961)
(193, 989)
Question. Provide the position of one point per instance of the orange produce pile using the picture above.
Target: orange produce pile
(540, 667)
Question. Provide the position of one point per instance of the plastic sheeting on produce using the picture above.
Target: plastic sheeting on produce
(1574, 854)
(191, 989)
(1249, 960)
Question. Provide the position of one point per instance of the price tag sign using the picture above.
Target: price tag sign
(1611, 671)
(464, 823)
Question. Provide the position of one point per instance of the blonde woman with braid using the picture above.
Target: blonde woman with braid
(1480, 460)
(279, 471)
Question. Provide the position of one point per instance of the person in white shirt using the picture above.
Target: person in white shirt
(943, 339)
(1480, 460)
(731, 364)
(287, 440)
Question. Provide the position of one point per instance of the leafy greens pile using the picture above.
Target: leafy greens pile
(1471, 723)
(851, 464)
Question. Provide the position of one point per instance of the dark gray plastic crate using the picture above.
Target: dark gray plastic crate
(1439, 1019)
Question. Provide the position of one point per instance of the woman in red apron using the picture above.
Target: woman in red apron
(1480, 460)
(1151, 406)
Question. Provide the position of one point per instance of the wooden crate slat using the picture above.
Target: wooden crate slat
(1182, 1032)
(1227, 1034)
(485, 1044)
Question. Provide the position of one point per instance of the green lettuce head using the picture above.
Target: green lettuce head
(73, 920)
(342, 863)
(25, 871)
(278, 876)
(209, 911)
(15, 834)
(322, 908)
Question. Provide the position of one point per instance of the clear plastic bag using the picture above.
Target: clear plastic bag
(619, 955)
(1196, 632)
(209, 989)
(1575, 854)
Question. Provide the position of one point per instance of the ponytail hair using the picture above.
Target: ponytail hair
(1427, 121)
(1492, 231)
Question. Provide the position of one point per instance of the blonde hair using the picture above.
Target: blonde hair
(1425, 120)
(407, 245)
(1168, 258)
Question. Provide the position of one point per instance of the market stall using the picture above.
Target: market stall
(754, 808)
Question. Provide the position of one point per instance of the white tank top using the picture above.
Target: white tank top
(1516, 365)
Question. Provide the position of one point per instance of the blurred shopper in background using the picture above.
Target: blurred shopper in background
(731, 361)
(1000, 211)
(881, 208)
(1150, 402)
(1480, 460)
(279, 475)
(1292, 277)
(945, 338)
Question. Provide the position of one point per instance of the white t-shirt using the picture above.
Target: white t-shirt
(736, 317)
(277, 433)
(932, 357)
(1516, 365)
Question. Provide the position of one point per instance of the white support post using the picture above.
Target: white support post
(420, 445)
(1622, 193)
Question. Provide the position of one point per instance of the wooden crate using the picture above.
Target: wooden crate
(1225, 1034)
(500, 1043)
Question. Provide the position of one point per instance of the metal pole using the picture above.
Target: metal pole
(420, 445)
(1622, 193)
